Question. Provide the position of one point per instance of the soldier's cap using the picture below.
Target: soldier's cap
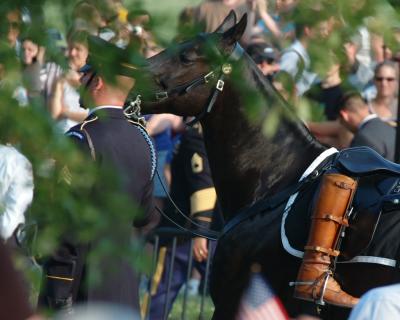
(109, 60)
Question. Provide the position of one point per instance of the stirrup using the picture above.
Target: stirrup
(320, 301)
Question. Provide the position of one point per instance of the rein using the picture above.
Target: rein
(263, 205)
(218, 76)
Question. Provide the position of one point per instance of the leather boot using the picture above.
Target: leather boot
(315, 280)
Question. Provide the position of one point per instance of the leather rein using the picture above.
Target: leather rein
(223, 70)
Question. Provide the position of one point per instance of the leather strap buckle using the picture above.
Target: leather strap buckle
(220, 85)
(344, 185)
(338, 220)
(161, 95)
(330, 252)
(209, 76)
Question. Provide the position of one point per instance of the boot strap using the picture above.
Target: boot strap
(345, 185)
(327, 251)
(338, 220)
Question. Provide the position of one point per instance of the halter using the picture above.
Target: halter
(222, 71)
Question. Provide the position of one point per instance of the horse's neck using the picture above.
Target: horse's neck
(245, 164)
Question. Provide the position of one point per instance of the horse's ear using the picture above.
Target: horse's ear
(228, 22)
(235, 33)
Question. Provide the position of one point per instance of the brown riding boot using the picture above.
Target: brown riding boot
(315, 280)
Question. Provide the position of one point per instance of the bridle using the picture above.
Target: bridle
(216, 76)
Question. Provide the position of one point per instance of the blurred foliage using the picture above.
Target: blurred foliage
(66, 199)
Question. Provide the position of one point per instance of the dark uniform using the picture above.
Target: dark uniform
(122, 147)
(193, 191)
(115, 144)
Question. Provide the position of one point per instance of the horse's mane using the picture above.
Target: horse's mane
(270, 92)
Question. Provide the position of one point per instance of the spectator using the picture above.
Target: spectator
(276, 24)
(369, 130)
(265, 57)
(328, 93)
(384, 104)
(209, 15)
(65, 107)
(32, 57)
(87, 17)
(295, 64)
(10, 26)
(16, 190)
(359, 59)
(378, 303)
(141, 36)
(9, 64)
(160, 127)
(193, 191)
(40, 71)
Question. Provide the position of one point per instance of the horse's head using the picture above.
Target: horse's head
(187, 75)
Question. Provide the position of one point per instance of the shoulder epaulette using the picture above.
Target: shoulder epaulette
(76, 134)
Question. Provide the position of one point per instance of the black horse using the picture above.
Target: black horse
(248, 166)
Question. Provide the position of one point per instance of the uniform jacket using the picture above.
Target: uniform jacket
(377, 135)
(114, 144)
(119, 145)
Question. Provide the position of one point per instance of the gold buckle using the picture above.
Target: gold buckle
(226, 68)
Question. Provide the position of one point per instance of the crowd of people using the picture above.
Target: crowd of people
(356, 99)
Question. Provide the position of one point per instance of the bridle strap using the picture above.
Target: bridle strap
(185, 88)
(211, 101)
(226, 69)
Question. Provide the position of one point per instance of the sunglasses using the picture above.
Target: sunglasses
(388, 79)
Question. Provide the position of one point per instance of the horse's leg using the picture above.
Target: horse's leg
(229, 278)
(254, 241)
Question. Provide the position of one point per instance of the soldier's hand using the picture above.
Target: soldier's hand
(200, 249)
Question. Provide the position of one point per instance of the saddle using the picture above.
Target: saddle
(363, 161)
(378, 192)
(376, 199)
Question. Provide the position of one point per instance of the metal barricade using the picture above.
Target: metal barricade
(175, 235)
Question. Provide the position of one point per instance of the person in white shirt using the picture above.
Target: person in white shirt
(378, 303)
(16, 189)
(295, 60)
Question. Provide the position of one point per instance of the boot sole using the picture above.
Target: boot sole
(325, 302)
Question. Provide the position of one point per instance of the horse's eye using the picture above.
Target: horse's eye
(186, 58)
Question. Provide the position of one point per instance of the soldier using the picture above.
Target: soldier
(113, 143)
(193, 191)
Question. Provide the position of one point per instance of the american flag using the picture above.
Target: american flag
(259, 302)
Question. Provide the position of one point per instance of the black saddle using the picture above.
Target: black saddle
(362, 161)
(378, 192)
